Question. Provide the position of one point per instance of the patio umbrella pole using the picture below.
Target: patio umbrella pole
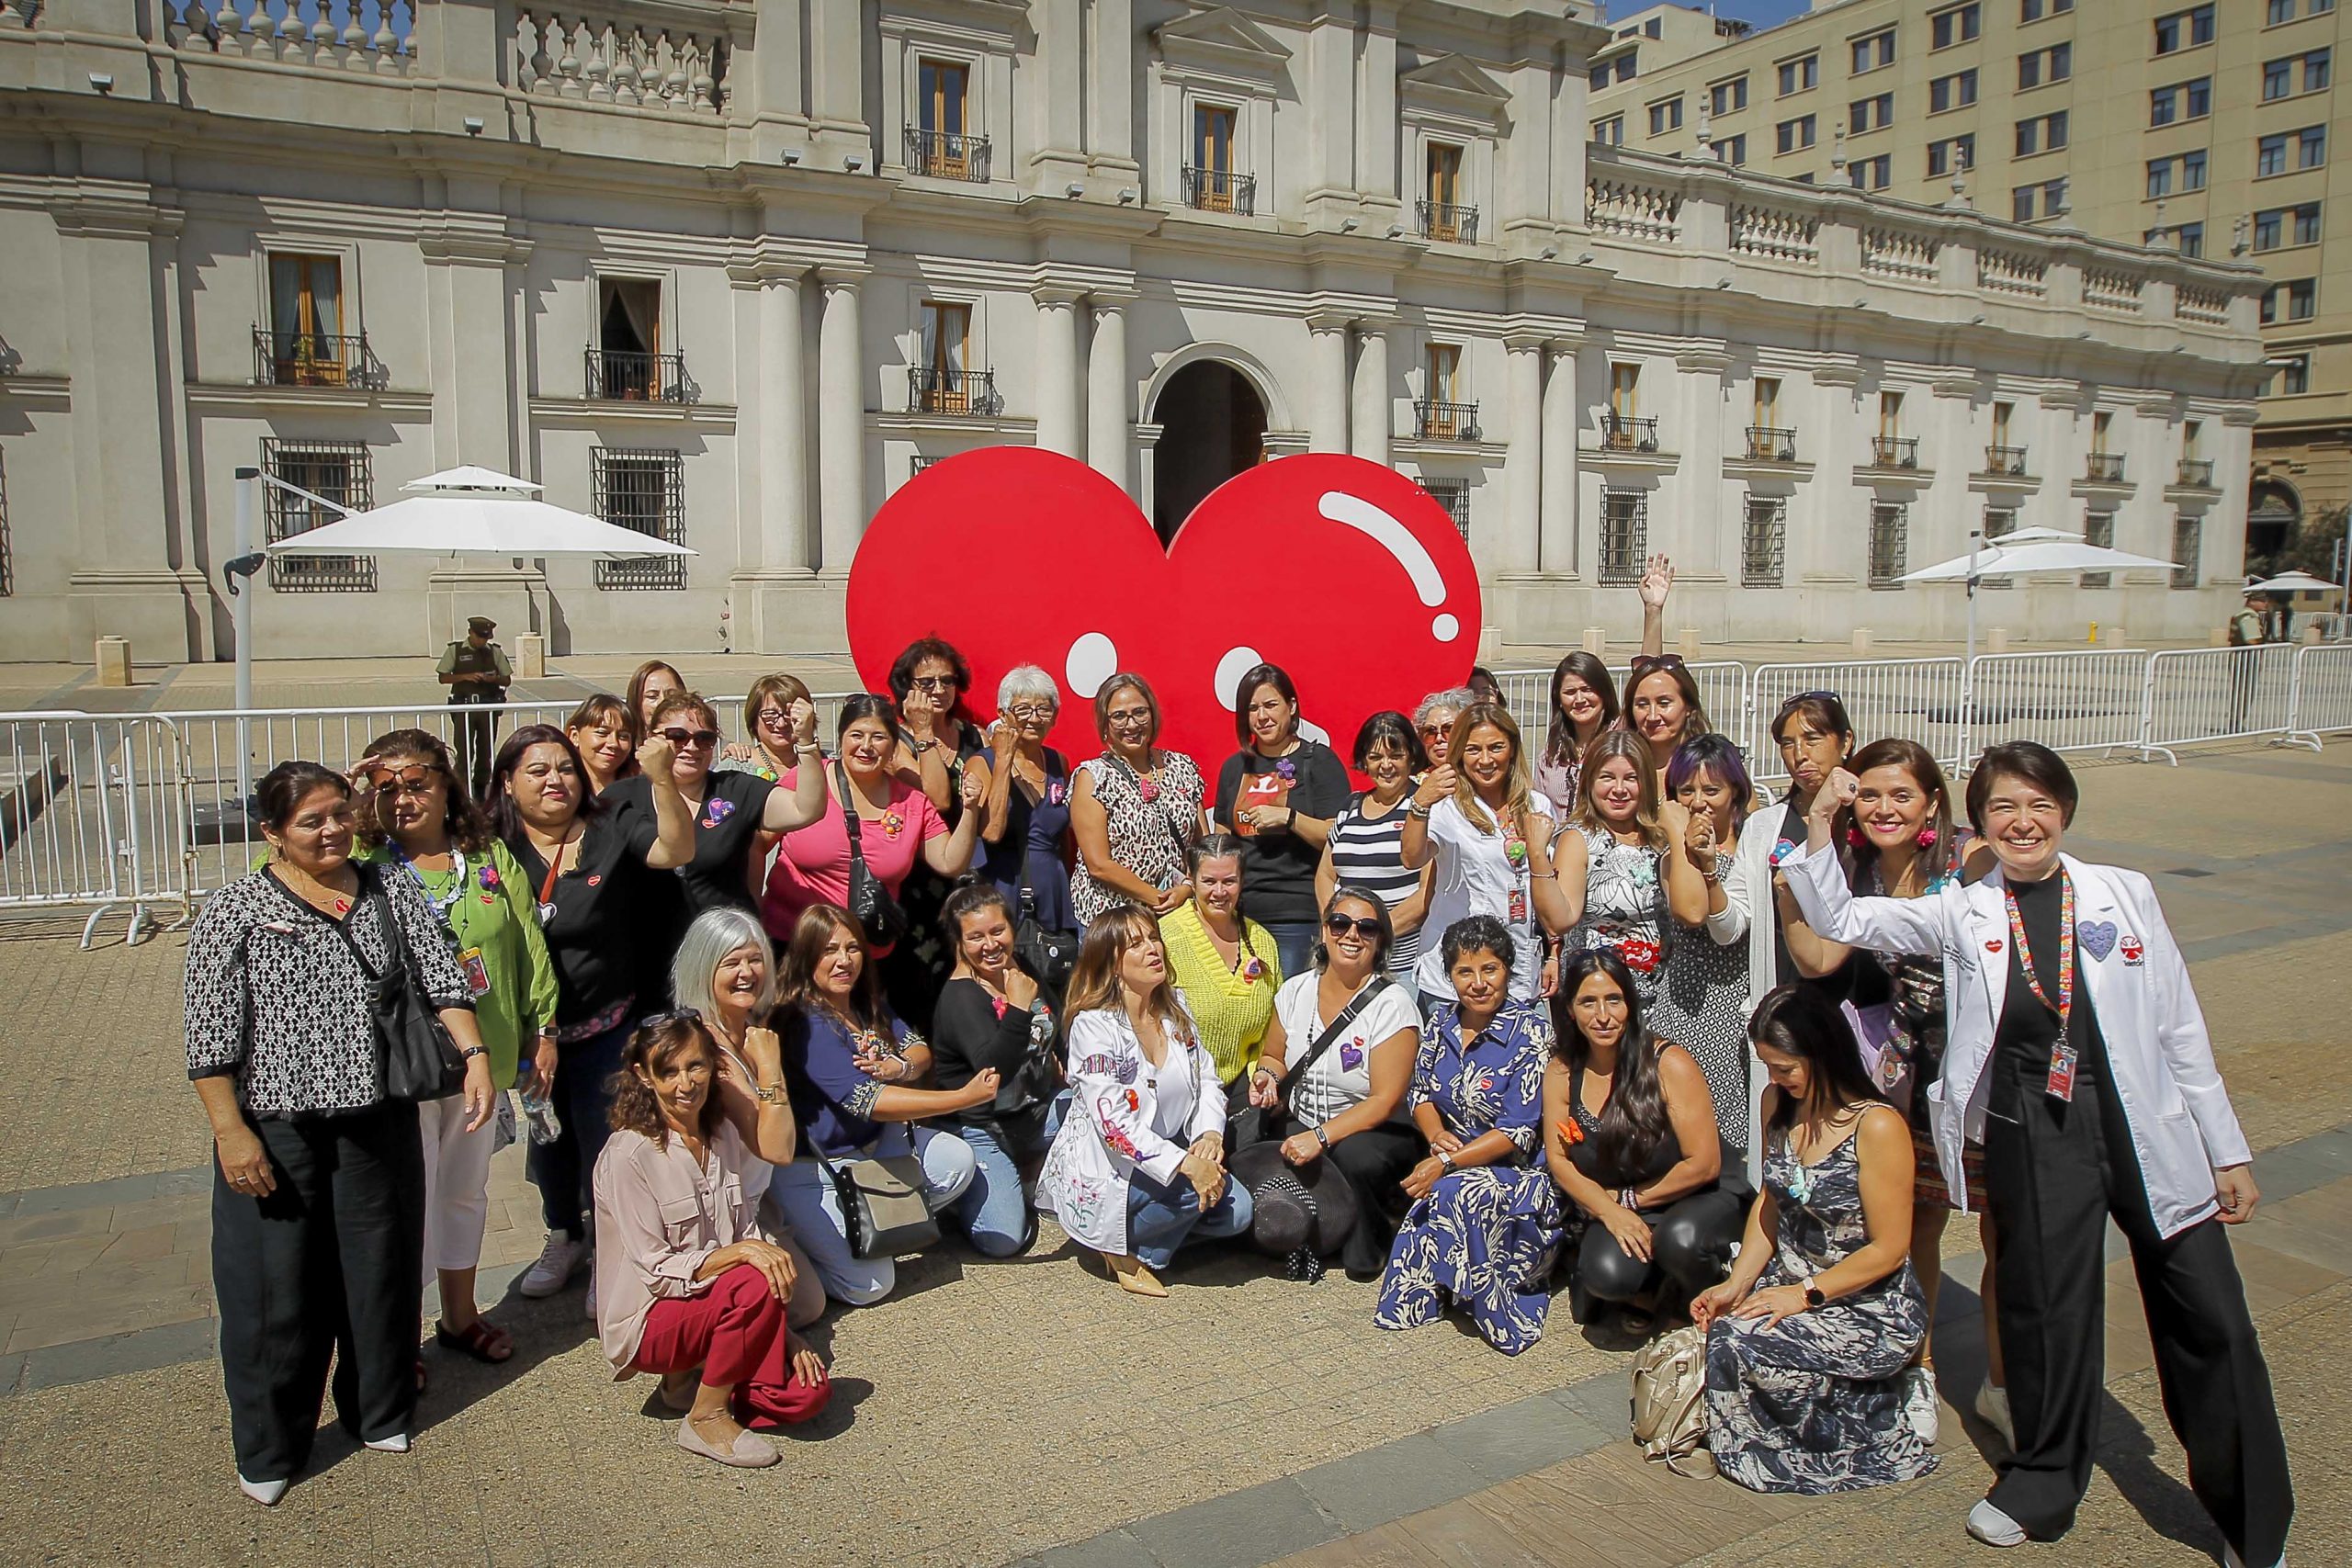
(1968, 660)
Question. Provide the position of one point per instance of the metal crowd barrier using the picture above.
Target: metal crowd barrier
(146, 813)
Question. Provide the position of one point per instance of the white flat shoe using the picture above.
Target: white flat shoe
(1993, 1407)
(395, 1444)
(265, 1492)
(2229, 1558)
(1993, 1527)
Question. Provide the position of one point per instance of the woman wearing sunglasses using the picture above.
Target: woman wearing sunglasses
(416, 820)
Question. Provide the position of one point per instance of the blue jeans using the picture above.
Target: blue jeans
(1293, 943)
(1162, 1218)
(995, 1211)
(564, 1171)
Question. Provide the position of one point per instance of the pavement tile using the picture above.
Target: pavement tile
(1526, 1433)
(1371, 1488)
(1239, 1530)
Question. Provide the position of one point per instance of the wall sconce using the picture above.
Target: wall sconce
(474, 125)
(790, 156)
(101, 82)
(854, 162)
(1073, 190)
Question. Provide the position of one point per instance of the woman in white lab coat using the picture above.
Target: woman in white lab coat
(2078, 1055)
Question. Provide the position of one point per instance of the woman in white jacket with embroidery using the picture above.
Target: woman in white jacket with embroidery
(2078, 1052)
(1138, 1166)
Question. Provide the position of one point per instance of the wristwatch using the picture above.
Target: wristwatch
(1812, 1296)
(471, 1052)
(1446, 1159)
(920, 747)
(768, 1094)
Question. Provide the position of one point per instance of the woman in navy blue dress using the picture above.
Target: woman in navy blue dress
(1025, 818)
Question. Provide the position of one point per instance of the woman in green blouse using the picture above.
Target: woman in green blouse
(1224, 965)
(414, 815)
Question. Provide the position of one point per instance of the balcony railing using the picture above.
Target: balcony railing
(2104, 468)
(1445, 422)
(313, 360)
(947, 154)
(1448, 220)
(2196, 473)
(1767, 444)
(947, 389)
(620, 377)
(2005, 461)
(1894, 451)
(1221, 190)
(1621, 433)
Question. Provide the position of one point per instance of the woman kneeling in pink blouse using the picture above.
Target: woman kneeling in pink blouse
(685, 1286)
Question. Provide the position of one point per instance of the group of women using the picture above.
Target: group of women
(1599, 1009)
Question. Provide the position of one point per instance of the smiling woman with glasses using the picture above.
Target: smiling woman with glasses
(770, 727)
(1134, 810)
(1025, 818)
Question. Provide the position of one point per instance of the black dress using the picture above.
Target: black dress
(1691, 1237)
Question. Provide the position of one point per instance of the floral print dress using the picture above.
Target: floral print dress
(1624, 908)
(1814, 1403)
(1485, 1235)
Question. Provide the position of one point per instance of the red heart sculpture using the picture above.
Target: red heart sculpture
(1345, 573)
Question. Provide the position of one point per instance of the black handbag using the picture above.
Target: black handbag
(416, 1057)
(886, 923)
(1049, 955)
(1251, 1123)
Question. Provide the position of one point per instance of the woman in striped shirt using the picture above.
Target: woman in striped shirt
(1366, 844)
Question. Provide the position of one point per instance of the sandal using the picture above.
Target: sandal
(482, 1340)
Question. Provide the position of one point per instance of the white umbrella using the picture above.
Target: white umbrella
(473, 512)
(2293, 582)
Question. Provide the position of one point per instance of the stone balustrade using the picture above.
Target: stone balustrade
(377, 37)
(622, 57)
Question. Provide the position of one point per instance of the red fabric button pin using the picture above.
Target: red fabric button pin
(1994, 945)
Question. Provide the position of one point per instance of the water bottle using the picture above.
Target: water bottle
(538, 1114)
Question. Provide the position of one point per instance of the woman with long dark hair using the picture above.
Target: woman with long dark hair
(941, 753)
(1584, 703)
(1630, 1138)
(1279, 795)
(1807, 1340)
(648, 685)
(2078, 1053)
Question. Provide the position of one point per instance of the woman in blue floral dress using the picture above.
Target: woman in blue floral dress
(1486, 1218)
(1808, 1339)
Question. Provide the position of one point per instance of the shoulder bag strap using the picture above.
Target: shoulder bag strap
(371, 890)
(849, 818)
(1329, 1036)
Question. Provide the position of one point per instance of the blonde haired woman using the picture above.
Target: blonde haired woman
(1622, 866)
(1138, 1168)
(1477, 816)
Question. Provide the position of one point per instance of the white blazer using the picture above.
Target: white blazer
(1751, 910)
(2158, 1054)
(1111, 1130)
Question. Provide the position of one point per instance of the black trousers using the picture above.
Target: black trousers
(327, 1267)
(474, 734)
(2055, 1171)
(1692, 1240)
(1375, 1162)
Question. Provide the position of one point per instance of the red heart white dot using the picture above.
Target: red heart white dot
(1236, 662)
(1092, 660)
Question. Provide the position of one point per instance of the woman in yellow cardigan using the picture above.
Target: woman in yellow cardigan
(1223, 966)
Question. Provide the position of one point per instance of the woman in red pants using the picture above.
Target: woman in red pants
(685, 1286)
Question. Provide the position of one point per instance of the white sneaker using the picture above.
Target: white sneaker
(591, 1298)
(558, 1261)
(265, 1492)
(1993, 1407)
(1919, 1405)
(1993, 1527)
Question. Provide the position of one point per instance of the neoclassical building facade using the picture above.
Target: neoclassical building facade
(730, 271)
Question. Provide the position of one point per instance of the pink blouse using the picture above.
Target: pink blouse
(658, 1215)
(812, 863)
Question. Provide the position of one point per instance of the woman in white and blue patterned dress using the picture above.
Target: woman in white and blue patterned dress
(1485, 1219)
(1808, 1339)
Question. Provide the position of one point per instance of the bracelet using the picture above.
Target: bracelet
(471, 1052)
(1323, 1138)
(809, 750)
(768, 1094)
(1261, 1070)
(1417, 810)
(1446, 1159)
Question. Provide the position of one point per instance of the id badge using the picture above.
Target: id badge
(477, 972)
(2061, 1072)
(1519, 906)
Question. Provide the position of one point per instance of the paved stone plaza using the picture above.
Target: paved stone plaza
(1028, 1411)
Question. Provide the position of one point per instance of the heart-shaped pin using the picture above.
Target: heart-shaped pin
(2097, 936)
(1994, 945)
(1345, 573)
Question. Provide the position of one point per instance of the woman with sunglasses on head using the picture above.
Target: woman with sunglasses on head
(724, 976)
(592, 886)
(1434, 720)
(1137, 1169)
(1366, 848)
(941, 750)
(852, 1064)
(1346, 1103)
(1025, 818)
(605, 734)
(1488, 837)
(1625, 865)
(1134, 810)
(1279, 795)
(1584, 703)
(652, 681)
(2078, 1052)
(1703, 997)
(416, 820)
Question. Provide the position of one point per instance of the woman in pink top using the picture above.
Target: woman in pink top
(685, 1286)
(896, 822)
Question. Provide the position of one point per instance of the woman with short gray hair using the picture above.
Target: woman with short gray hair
(1434, 720)
(1025, 818)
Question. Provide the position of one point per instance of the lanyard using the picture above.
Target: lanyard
(2064, 1005)
(442, 902)
(555, 868)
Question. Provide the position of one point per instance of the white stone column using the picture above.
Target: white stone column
(1827, 537)
(1706, 546)
(1058, 414)
(1327, 419)
(1523, 456)
(1374, 411)
(1108, 448)
(1556, 541)
(840, 427)
(784, 427)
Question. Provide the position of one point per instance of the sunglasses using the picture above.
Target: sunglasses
(935, 683)
(684, 737)
(408, 781)
(1339, 925)
(675, 1015)
(1649, 661)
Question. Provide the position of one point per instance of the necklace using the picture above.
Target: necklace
(446, 900)
(318, 895)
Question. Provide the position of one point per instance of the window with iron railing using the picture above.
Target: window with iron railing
(2105, 467)
(2196, 473)
(1999, 523)
(1769, 445)
(952, 389)
(1624, 535)
(1454, 496)
(1620, 433)
(335, 471)
(644, 489)
(1894, 451)
(2098, 530)
(1221, 190)
(1210, 182)
(2187, 541)
(1889, 544)
(1450, 221)
(947, 156)
(2007, 461)
(624, 377)
(917, 463)
(1436, 421)
(1763, 542)
(313, 360)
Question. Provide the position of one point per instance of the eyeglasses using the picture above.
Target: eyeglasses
(1031, 710)
(772, 718)
(1124, 717)
(1339, 925)
(414, 781)
(684, 737)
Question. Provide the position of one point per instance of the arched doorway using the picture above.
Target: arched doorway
(2273, 510)
(1212, 425)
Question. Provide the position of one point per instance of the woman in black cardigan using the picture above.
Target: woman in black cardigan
(992, 1014)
